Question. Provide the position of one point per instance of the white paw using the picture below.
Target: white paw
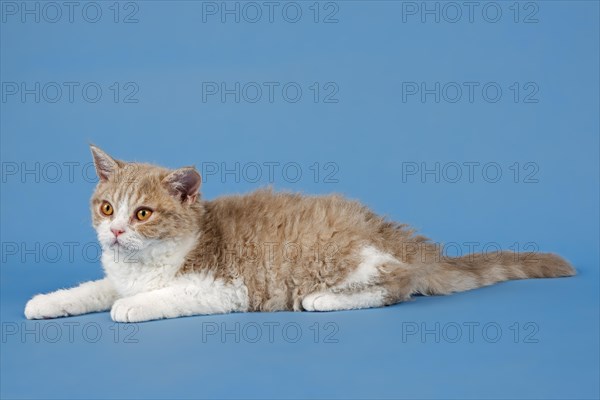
(45, 306)
(308, 302)
(318, 301)
(326, 302)
(133, 310)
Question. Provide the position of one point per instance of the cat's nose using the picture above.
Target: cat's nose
(117, 232)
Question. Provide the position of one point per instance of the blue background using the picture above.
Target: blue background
(367, 134)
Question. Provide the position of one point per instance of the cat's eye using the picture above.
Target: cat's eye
(143, 214)
(106, 208)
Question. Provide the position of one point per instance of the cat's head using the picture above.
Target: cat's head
(136, 205)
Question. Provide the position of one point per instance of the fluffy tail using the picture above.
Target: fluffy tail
(477, 270)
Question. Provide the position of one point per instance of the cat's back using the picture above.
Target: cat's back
(265, 214)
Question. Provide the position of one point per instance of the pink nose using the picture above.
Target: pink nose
(117, 232)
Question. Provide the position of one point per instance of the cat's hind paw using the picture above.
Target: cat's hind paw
(316, 301)
(132, 310)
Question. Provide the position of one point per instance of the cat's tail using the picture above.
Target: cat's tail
(456, 274)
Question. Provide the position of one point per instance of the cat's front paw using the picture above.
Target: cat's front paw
(44, 306)
(131, 309)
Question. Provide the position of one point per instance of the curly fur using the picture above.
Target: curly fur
(262, 251)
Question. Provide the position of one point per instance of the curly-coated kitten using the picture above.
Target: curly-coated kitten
(167, 253)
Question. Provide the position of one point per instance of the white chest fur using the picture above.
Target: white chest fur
(150, 268)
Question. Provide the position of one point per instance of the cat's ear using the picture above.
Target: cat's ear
(105, 164)
(184, 184)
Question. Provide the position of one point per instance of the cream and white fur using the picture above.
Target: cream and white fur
(143, 285)
(143, 281)
(174, 263)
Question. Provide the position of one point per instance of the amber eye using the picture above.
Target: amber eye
(106, 208)
(143, 214)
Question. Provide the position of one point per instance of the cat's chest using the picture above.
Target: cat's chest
(146, 270)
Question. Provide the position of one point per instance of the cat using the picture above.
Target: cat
(166, 253)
